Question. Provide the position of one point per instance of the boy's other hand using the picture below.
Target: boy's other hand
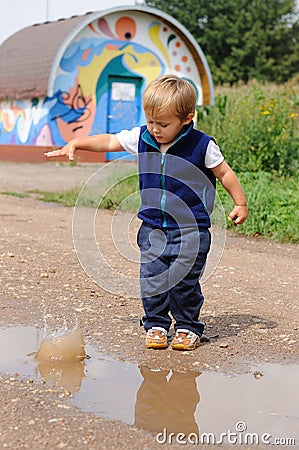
(238, 215)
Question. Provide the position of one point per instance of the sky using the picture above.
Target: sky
(18, 14)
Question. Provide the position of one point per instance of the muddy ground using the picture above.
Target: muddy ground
(250, 311)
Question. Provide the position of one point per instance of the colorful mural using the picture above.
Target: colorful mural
(111, 60)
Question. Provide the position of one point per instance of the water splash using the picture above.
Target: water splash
(62, 345)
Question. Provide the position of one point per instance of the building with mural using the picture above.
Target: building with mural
(86, 75)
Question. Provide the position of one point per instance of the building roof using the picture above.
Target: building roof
(30, 57)
(27, 56)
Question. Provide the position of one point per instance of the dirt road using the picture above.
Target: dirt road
(250, 311)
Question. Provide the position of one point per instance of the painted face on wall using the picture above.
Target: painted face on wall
(74, 114)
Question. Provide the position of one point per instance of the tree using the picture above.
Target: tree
(242, 39)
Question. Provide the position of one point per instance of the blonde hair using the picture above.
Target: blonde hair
(169, 94)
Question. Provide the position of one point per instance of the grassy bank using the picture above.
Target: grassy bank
(273, 206)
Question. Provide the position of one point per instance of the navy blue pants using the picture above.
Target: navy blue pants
(171, 264)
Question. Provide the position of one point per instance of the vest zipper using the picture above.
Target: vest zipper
(163, 187)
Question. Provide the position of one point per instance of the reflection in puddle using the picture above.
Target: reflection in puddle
(172, 396)
(191, 402)
(68, 375)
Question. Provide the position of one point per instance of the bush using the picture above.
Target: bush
(256, 126)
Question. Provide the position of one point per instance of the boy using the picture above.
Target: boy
(178, 167)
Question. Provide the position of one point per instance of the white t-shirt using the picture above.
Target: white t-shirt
(128, 139)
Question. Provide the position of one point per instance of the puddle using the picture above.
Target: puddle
(160, 400)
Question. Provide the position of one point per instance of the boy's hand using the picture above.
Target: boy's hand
(68, 150)
(239, 214)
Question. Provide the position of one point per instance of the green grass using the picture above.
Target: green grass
(14, 194)
(114, 189)
(273, 203)
(66, 198)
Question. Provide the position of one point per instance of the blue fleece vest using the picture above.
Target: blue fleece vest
(176, 188)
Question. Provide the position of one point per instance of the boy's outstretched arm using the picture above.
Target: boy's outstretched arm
(97, 143)
(230, 182)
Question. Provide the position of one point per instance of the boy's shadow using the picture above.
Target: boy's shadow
(226, 325)
(167, 399)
